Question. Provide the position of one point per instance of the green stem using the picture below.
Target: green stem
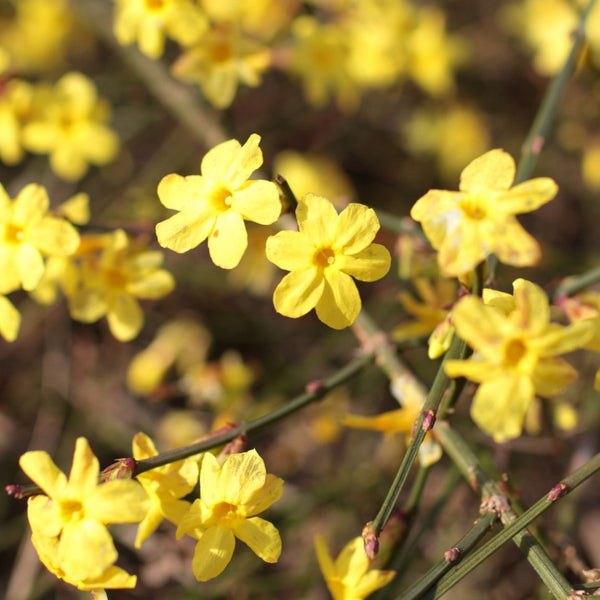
(538, 133)
(319, 391)
(514, 525)
(572, 285)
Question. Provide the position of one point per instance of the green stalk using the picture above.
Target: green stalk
(514, 525)
(577, 283)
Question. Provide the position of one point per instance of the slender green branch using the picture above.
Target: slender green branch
(514, 525)
(538, 133)
(577, 283)
(397, 224)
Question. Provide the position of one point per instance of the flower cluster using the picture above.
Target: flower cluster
(67, 121)
(337, 52)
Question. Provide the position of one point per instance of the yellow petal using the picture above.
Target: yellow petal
(356, 228)
(125, 317)
(371, 581)
(500, 406)
(290, 250)
(30, 205)
(185, 230)
(111, 578)
(213, 553)
(30, 265)
(154, 285)
(184, 193)
(514, 246)
(526, 196)
(40, 468)
(340, 302)
(494, 170)
(474, 369)
(241, 476)
(551, 375)
(268, 494)
(324, 558)
(298, 292)
(83, 477)
(352, 562)
(86, 549)
(369, 264)
(261, 537)
(317, 219)
(118, 501)
(257, 201)
(10, 320)
(53, 236)
(228, 240)
(143, 446)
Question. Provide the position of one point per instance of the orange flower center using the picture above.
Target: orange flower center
(473, 207)
(224, 511)
(13, 234)
(155, 4)
(514, 352)
(221, 199)
(71, 510)
(324, 257)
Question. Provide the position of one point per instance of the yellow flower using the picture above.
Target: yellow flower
(515, 357)
(322, 256)
(149, 21)
(350, 576)
(110, 283)
(221, 60)
(467, 226)
(72, 128)
(69, 523)
(10, 320)
(16, 101)
(27, 233)
(164, 486)
(431, 315)
(214, 205)
(230, 494)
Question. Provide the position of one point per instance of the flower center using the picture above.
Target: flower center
(13, 234)
(514, 352)
(116, 279)
(71, 510)
(224, 511)
(221, 51)
(221, 199)
(324, 257)
(154, 4)
(474, 207)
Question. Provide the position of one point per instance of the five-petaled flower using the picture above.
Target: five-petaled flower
(230, 495)
(515, 356)
(465, 227)
(165, 486)
(69, 523)
(323, 255)
(350, 577)
(27, 234)
(214, 205)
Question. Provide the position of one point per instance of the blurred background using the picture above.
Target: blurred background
(375, 101)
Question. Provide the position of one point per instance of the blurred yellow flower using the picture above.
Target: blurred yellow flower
(515, 357)
(110, 283)
(72, 128)
(148, 22)
(222, 59)
(16, 102)
(350, 576)
(10, 320)
(465, 227)
(164, 486)
(323, 255)
(430, 315)
(69, 523)
(27, 234)
(215, 204)
(36, 38)
(230, 495)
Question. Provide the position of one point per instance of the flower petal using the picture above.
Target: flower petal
(371, 581)
(30, 205)
(261, 537)
(228, 240)
(527, 196)
(513, 245)
(241, 476)
(369, 264)
(551, 375)
(290, 250)
(10, 320)
(340, 303)
(356, 228)
(257, 201)
(213, 553)
(317, 219)
(53, 236)
(268, 494)
(494, 170)
(118, 501)
(187, 194)
(298, 292)
(185, 230)
(30, 265)
(154, 285)
(500, 405)
(125, 317)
